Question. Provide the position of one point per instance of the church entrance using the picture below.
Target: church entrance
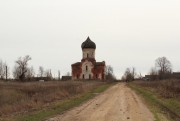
(89, 76)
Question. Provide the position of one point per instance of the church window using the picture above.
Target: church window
(83, 76)
(96, 76)
(86, 68)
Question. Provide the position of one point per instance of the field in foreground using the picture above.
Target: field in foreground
(26, 98)
(162, 97)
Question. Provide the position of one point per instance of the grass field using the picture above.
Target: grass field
(163, 97)
(38, 100)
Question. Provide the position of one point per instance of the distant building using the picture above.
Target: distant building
(88, 68)
(176, 75)
(66, 78)
(39, 78)
(151, 77)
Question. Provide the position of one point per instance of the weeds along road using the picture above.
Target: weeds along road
(118, 103)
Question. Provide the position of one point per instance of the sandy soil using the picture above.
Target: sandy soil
(118, 103)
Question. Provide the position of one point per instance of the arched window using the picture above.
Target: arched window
(96, 76)
(86, 68)
(83, 76)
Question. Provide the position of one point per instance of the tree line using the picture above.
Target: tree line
(4, 70)
(161, 70)
(23, 72)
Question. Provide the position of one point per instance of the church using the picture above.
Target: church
(88, 68)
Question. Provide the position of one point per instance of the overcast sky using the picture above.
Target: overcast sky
(127, 33)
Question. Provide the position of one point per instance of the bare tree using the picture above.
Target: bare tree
(139, 76)
(16, 72)
(21, 67)
(153, 74)
(129, 75)
(59, 75)
(110, 73)
(30, 73)
(7, 72)
(48, 73)
(153, 71)
(109, 69)
(41, 71)
(4, 70)
(133, 72)
(164, 66)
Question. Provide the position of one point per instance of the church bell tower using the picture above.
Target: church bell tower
(88, 50)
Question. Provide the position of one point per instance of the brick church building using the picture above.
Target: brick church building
(88, 68)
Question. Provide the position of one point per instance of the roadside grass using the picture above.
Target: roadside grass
(60, 107)
(162, 108)
(16, 97)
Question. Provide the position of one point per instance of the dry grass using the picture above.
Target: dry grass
(166, 88)
(24, 97)
(163, 97)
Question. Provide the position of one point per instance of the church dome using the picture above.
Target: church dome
(88, 44)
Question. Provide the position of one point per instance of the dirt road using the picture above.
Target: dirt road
(118, 103)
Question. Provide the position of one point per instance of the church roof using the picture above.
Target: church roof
(100, 63)
(88, 44)
(76, 64)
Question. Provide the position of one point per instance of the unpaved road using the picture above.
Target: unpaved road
(118, 103)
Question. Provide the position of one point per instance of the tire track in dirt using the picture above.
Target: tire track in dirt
(118, 103)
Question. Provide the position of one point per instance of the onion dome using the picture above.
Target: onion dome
(88, 44)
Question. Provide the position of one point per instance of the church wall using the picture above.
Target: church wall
(87, 70)
(99, 72)
(76, 71)
(88, 53)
